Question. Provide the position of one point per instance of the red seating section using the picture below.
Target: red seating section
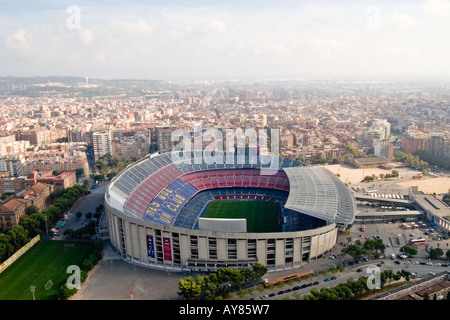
(222, 178)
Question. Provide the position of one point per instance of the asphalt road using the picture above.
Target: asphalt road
(85, 204)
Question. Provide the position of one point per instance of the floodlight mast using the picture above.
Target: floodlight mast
(32, 289)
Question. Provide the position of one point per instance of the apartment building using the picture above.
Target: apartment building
(102, 141)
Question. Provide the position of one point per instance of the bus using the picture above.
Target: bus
(416, 242)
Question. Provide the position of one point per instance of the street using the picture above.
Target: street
(84, 204)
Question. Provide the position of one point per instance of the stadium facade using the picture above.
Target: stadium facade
(154, 205)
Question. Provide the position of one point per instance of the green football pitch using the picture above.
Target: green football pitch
(43, 266)
(262, 216)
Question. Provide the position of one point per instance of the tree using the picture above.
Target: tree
(79, 172)
(389, 274)
(19, 237)
(410, 251)
(78, 214)
(65, 293)
(100, 208)
(355, 251)
(344, 292)
(374, 245)
(436, 253)
(189, 289)
(69, 233)
(6, 248)
(394, 173)
(31, 210)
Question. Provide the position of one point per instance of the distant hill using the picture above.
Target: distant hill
(35, 86)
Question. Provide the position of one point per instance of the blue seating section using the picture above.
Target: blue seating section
(169, 201)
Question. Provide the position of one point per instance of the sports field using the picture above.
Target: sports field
(44, 266)
(262, 216)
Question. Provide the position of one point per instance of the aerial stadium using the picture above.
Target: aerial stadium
(201, 215)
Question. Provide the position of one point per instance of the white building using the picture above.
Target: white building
(102, 141)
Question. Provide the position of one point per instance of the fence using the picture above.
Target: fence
(19, 253)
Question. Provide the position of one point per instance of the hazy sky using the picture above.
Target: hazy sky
(181, 39)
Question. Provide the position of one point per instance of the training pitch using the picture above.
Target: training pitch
(44, 266)
(262, 216)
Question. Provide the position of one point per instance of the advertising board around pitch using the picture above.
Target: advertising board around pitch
(222, 224)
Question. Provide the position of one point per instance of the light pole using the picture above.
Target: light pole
(45, 218)
(32, 288)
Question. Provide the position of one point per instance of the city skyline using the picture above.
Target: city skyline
(173, 41)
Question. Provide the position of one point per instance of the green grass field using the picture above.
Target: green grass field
(46, 260)
(262, 216)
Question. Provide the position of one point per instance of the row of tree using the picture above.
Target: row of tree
(215, 285)
(39, 222)
(412, 161)
(394, 174)
(432, 159)
(355, 289)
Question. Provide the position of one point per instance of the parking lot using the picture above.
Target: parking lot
(394, 236)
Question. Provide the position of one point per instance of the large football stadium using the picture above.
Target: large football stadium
(202, 214)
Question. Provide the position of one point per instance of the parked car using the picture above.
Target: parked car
(360, 270)
(327, 279)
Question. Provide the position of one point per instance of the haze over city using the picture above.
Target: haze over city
(177, 40)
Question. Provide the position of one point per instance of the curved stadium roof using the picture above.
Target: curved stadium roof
(318, 192)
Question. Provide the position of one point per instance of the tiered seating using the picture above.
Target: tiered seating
(222, 178)
(140, 199)
(141, 183)
(169, 201)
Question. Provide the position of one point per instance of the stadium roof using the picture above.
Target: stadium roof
(318, 192)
